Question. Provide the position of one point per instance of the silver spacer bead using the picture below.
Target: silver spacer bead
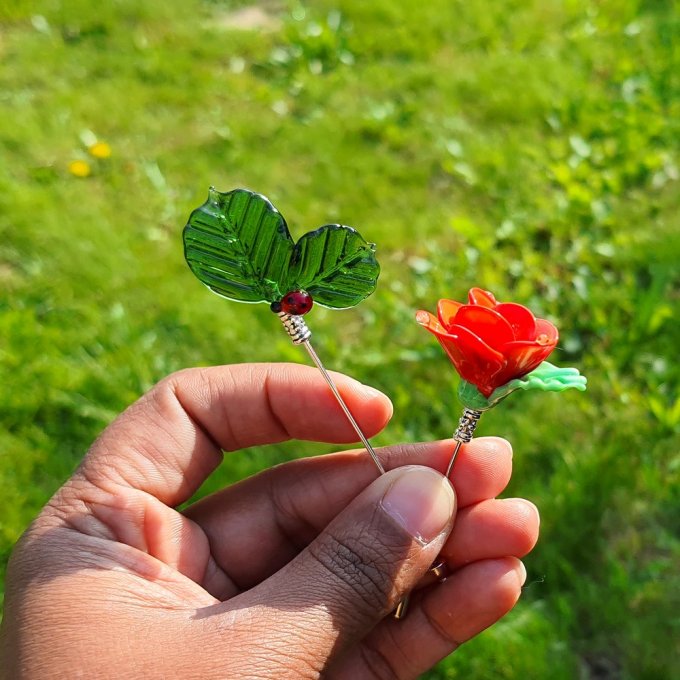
(295, 327)
(467, 425)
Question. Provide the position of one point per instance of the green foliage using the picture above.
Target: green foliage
(530, 148)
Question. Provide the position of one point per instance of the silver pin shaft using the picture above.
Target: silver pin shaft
(343, 405)
(452, 462)
(299, 333)
(462, 435)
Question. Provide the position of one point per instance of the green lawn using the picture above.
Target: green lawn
(530, 147)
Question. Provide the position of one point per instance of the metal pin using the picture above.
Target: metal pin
(299, 333)
(440, 571)
(402, 609)
(463, 434)
(437, 572)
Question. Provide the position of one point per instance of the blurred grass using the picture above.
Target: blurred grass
(527, 147)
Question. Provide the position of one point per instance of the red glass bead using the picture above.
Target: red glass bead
(296, 302)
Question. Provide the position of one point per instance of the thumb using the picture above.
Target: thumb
(356, 571)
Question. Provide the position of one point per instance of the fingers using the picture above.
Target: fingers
(489, 476)
(169, 441)
(286, 507)
(439, 620)
(492, 528)
(482, 548)
(482, 470)
(356, 570)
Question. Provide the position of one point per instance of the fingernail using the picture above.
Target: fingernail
(368, 392)
(500, 444)
(421, 501)
(522, 574)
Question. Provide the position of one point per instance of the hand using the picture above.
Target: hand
(289, 574)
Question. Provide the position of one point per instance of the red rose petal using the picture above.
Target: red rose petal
(544, 327)
(429, 321)
(483, 298)
(488, 325)
(522, 357)
(520, 319)
(446, 310)
(474, 360)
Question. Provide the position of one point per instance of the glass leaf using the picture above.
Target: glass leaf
(546, 378)
(335, 265)
(237, 243)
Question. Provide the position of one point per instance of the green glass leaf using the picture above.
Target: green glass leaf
(237, 243)
(335, 265)
(547, 378)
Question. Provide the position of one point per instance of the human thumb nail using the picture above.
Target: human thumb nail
(421, 501)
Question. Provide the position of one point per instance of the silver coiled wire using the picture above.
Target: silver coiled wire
(467, 425)
(296, 327)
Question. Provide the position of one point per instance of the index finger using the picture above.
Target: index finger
(170, 440)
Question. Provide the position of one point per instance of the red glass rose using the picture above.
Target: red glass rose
(490, 343)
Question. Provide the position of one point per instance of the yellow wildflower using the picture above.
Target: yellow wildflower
(100, 150)
(79, 168)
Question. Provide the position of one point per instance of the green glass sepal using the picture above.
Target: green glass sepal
(238, 244)
(471, 397)
(547, 378)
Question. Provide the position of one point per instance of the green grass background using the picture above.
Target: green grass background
(529, 147)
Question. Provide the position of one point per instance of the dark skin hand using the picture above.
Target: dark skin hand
(291, 573)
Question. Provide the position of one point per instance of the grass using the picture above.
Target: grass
(527, 147)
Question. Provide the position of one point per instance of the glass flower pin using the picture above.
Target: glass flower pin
(496, 348)
(238, 244)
